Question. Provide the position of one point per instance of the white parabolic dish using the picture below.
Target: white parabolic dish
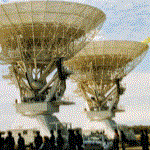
(107, 54)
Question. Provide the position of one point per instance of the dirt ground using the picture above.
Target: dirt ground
(133, 148)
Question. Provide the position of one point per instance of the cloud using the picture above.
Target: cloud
(8, 93)
(136, 99)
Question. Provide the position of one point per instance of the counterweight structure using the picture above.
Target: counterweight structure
(36, 37)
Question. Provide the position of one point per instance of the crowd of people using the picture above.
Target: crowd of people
(75, 142)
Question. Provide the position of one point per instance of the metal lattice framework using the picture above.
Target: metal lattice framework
(36, 35)
(99, 68)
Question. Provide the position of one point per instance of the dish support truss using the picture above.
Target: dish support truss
(32, 68)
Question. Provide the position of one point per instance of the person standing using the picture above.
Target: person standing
(146, 140)
(38, 140)
(71, 140)
(9, 142)
(123, 140)
(116, 141)
(21, 142)
(79, 140)
(46, 144)
(143, 140)
(52, 141)
(1, 142)
(60, 140)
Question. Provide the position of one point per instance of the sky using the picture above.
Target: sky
(125, 20)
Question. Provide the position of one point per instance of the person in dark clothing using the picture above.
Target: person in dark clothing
(60, 140)
(143, 140)
(52, 141)
(146, 140)
(9, 142)
(79, 140)
(116, 141)
(46, 144)
(123, 140)
(1, 142)
(72, 140)
(21, 142)
(38, 140)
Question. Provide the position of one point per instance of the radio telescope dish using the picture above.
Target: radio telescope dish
(35, 37)
(98, 70)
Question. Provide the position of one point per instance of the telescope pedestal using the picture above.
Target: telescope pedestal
(99, 115)
(96, 115)
(36, 108)
(43, 112)
(105, 116)
(48, 122)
